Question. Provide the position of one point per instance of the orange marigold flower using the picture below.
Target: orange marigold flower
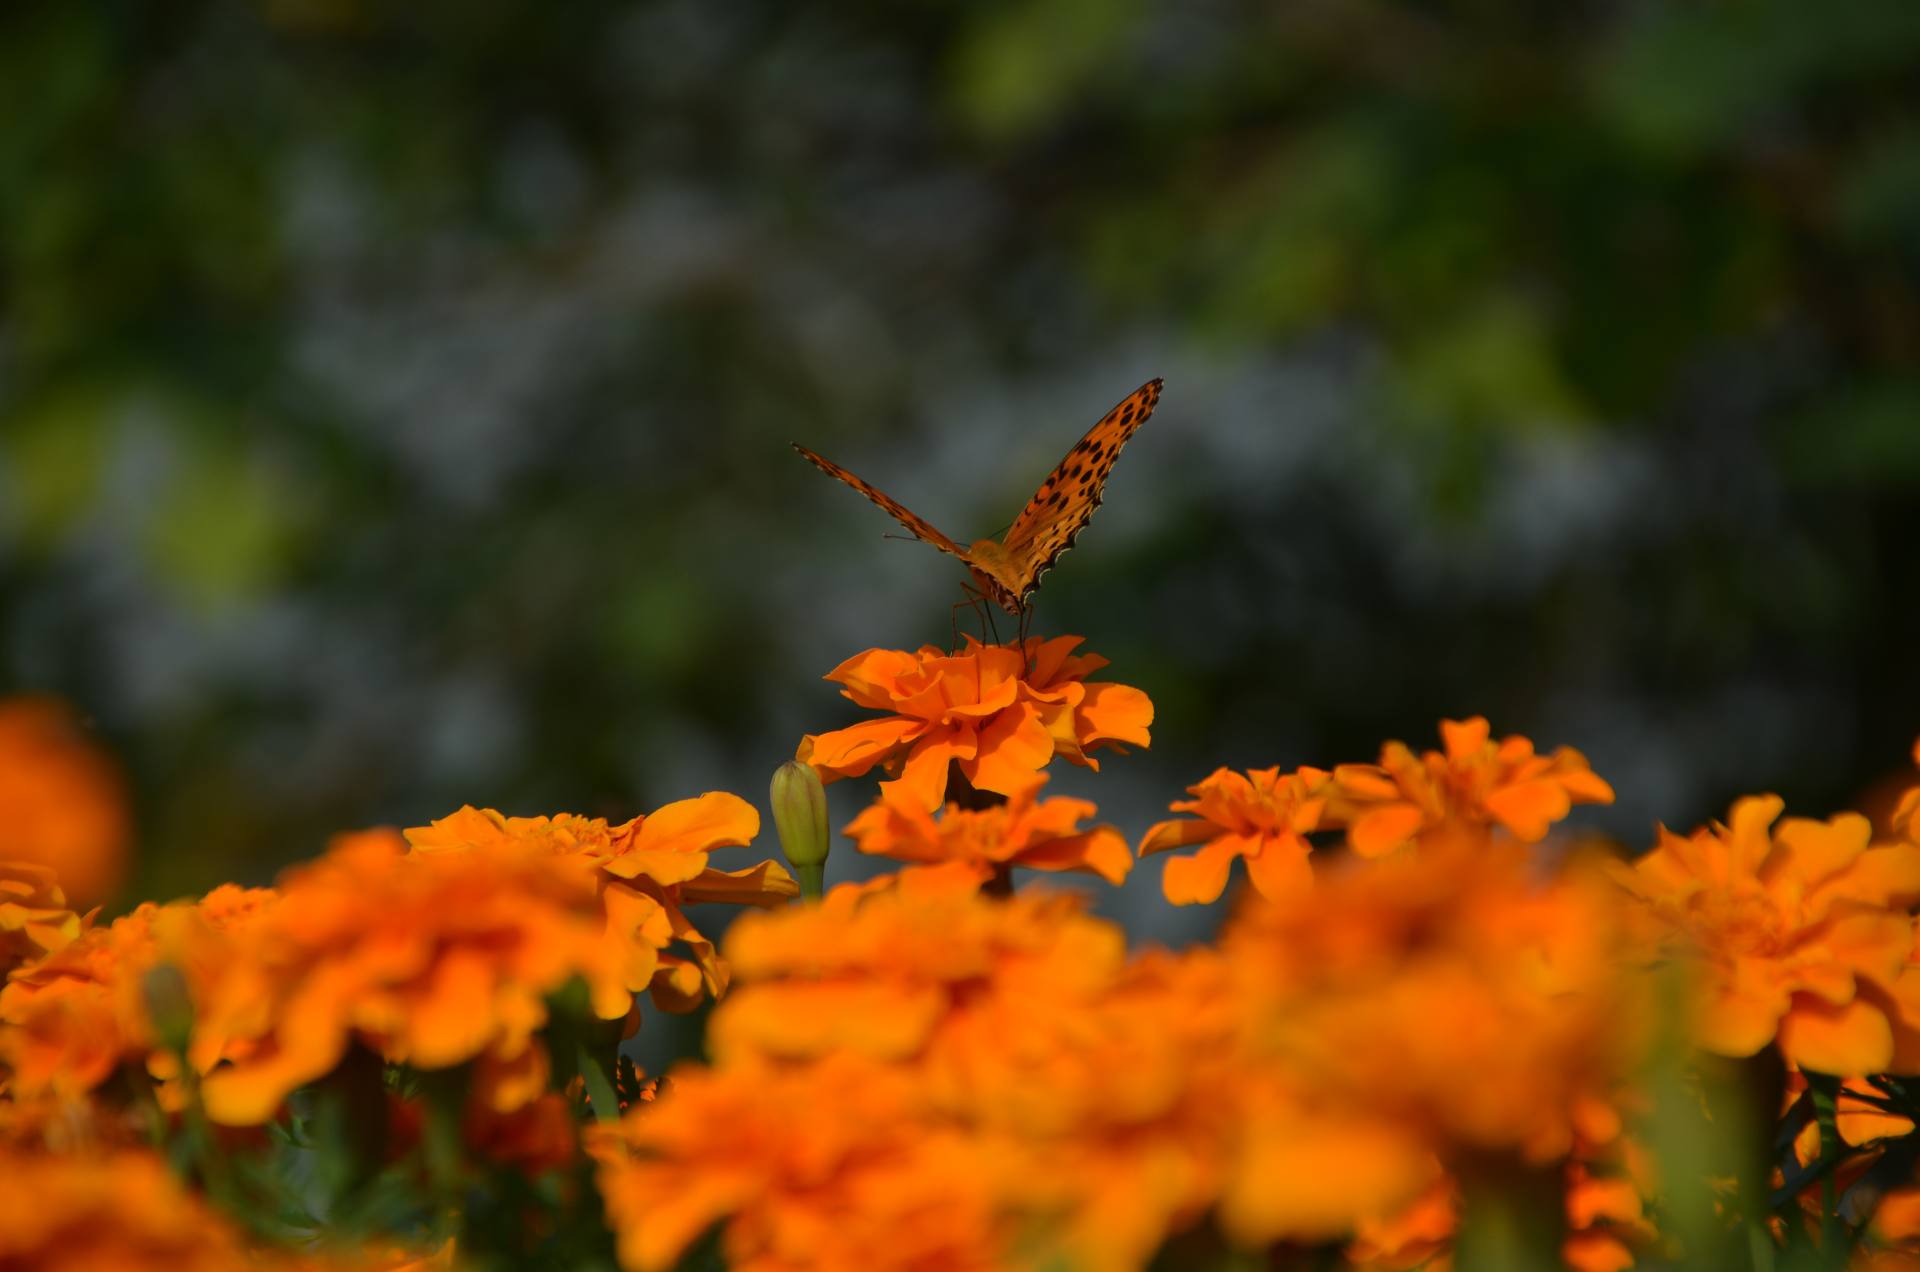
(1260, 816)
(834, 1165)
(651, 867)
(432, 959)
(123, 1211)
(875, 972)
(62, 802)
(1108, 1098)
(995, 1068)
(34, 918)
(1025, 831)
(1472, 785)
(1799, 934)
(70, 1020)
(998, 711)
(1368, 999)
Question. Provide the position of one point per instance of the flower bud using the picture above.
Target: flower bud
(800, 815)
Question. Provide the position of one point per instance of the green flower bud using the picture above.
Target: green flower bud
(169, 1006)
(800, 815)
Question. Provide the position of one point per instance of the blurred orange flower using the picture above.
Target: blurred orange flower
(430, 959)
(834, 1165)
(650, 867)
(1473, 785)
(1371, 999)
(62, 803)
(876, 972)
(1799, 935)
(999, 712)
(68, 1021)
(124, 1211)
(34, 918)
(972, 845)
(1260, 816)
(992, 1074)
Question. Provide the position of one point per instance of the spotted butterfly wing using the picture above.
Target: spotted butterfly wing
(1066, 500)
(921, 527)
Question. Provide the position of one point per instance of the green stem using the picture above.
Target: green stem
(1760, 1245)
(1825, 1090)
(813, 880)
(1513, 1216)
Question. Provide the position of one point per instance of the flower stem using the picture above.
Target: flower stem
(1513, 1215)
(812, 879)
(1825, 1090)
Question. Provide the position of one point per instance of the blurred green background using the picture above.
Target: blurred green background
(395, 398)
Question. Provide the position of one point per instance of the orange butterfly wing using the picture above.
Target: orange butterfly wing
(1064, 504)
(922, 529)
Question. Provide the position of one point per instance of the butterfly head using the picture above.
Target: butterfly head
(993, 572)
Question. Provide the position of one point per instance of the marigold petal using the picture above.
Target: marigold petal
(1812, 852)
(1202, 877)
(1528, 808)
(1177, 832)
(1596, 1252)
(1379, 831)
(851, 751)
(1013, 747)
(1740, 1021)
(1846, 1041)
(1902, 1006)
(716, 819)
(1462, 738)
(924, 775)
(1102, 850)
(1583, 784)
(766, 884)
(1277, 867)
(1114, 713)
(1315, 1178)
(1887, 875)
(453, 1019)
(871, 678)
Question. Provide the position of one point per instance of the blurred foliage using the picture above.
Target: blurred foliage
(394, 398)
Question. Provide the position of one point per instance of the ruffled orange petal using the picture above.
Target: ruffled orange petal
(1277, 867)
(1381, 830)
(716, 819)
(1114, 713)
(1738, 1021)
(765, 884)
(1846, 1041)
(1102, 850)
(1202, 877)
(1528, 808)
(1177, 832)
(923, 778)
(851, 751)
(1013, 747)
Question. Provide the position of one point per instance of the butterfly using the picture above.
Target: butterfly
(1008, 570)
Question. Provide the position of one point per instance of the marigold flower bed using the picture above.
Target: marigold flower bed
(1435, 1028)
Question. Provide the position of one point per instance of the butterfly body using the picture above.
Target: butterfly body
(1008, 570)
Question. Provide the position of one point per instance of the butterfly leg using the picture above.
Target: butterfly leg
(1026, 625)
(971, 600)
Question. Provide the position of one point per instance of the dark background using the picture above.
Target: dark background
(395, 398)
